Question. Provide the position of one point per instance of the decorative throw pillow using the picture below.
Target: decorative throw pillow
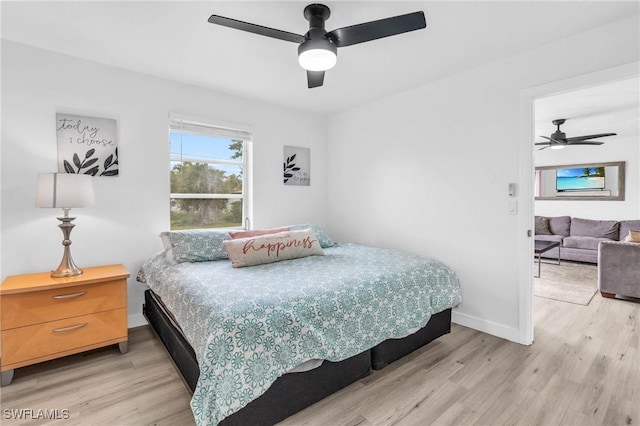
(323, 238)
(256, 232)
(542, 225)
(633, 237)
(560, 225)
(272, 248)
(194, 245)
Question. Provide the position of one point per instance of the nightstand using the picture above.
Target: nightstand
(43, 318)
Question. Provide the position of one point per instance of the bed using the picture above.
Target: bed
(239, 336)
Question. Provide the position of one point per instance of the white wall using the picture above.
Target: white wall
(618, 148)
(131, 209)
(425, 170)
(428, 170)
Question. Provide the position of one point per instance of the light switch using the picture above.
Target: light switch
(512, 190)
(512, 206)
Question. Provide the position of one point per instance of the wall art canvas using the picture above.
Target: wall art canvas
(296, 166)
(87, 145)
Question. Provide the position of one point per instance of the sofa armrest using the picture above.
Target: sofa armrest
(619, 268)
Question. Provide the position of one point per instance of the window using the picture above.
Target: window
(210, 175)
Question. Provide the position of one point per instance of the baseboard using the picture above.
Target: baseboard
(489, 327)
(136, 320)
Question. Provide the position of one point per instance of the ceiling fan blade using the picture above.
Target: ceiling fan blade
(256, 29)
(315, 78)
(561, 142)
(543, 143)
(584, 143)
(374, 30)
(582, 138)
(544, 147)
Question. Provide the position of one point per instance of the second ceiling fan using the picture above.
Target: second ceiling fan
(317, 50)
(559, 139)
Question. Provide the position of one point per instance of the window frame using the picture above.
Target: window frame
(217, 129)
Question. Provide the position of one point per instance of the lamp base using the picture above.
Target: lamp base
(67, 267)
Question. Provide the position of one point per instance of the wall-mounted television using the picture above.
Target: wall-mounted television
(580, 179)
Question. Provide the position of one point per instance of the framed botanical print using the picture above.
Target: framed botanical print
(296, 165)
(87, 145)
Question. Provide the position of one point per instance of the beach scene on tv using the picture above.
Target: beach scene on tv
(580, 179)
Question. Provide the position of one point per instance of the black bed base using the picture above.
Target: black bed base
(289, 394)
(293, 392)
(179, 349)
(393, 349)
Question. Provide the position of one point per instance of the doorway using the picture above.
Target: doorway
(530, 133)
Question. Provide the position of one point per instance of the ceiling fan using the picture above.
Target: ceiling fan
(559, 140)
(317, 50)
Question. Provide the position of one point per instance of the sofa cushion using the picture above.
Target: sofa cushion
(594, 228)
(626, 225)
(581, 242)
(542, 225)
(560, 225)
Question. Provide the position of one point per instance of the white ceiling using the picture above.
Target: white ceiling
(607, 108)
(172, 39)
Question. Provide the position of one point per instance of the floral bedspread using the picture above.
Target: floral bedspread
(248, 326)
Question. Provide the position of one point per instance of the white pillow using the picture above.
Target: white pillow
(272, 248)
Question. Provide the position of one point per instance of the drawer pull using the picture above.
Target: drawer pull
(73, 327)
(70, 296)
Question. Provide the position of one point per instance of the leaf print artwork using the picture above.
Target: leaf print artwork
(295, 166)
(109, 163)
(81, 165)
(289, 168)
(87, 145)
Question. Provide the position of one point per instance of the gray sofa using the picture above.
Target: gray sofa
(619, 268)
(579, 238)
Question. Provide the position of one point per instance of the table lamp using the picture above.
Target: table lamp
(65, 190)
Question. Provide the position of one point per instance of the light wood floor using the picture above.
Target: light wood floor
(583, 369)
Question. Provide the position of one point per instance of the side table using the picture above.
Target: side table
(43, 318)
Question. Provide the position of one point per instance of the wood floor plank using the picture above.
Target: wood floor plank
(582, 369)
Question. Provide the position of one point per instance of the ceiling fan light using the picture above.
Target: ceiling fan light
(317, 55)
(317, 60)
(557, 146)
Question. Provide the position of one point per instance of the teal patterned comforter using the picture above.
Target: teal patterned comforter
(248, 326)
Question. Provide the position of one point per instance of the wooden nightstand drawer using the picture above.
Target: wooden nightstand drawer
(37, 307)
(35, 343)
(44, 318)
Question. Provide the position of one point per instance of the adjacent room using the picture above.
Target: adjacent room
(586, 189)
(356, 212)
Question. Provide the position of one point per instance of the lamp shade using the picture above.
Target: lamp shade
(64, 190)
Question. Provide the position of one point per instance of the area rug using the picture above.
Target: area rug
(569, 282)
